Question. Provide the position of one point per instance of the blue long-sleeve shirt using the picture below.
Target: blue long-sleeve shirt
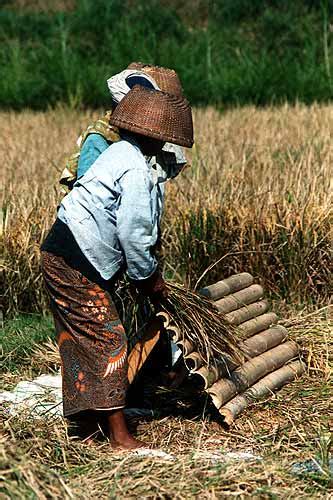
(114, 212)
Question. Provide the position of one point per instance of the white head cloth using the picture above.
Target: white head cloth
(118, 86)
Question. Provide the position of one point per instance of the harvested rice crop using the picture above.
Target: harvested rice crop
(198, 320)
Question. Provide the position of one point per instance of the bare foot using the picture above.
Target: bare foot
(120, 437)
(129, 444)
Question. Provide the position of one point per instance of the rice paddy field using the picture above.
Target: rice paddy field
(257, 198)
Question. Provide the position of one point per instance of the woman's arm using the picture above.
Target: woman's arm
(136, 229)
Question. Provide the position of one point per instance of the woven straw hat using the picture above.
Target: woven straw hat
(155, 114)
(167, 79)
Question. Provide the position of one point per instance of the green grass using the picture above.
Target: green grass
(19, 337)
(230, 53)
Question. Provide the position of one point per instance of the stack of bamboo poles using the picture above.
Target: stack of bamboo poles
(271, 360)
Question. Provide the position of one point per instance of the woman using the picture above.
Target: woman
(108, 225)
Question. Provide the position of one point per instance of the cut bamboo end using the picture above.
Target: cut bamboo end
(246, 313)
(251, 371)
(186, 346)
(257, 325)
(193, 361)
(229, 285)
(263, 341)
(164, 317)
(215, 396)
(261, 389)
(211, 374)
(207, 375)
(174, 333)
(239, 299)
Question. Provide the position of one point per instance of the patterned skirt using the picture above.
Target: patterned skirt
(90, 336)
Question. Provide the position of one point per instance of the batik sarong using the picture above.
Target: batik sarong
(90, 336)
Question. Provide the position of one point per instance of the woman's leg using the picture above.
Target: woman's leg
(120, 436)
(93, 347)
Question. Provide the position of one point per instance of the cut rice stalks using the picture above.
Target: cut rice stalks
(199, 321)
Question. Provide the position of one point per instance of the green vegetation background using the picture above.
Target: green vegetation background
(229, 52)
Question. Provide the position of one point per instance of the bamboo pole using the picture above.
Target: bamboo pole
(256, 345)
(246, 375)
(252, 347)
(257, 325)
(239, 299)
(263, 341)
(208, 375)
(247, 312)
(261, 389)
(211, 374)
(229, 285)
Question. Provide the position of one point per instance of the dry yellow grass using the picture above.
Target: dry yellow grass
(264, 164)
(261, 181)
(259, 195)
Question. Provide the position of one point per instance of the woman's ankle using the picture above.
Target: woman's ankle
(119, 434)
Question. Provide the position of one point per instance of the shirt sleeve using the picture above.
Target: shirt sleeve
(135, 225)
(92, 147)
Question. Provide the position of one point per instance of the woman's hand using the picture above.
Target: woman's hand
(153, 287)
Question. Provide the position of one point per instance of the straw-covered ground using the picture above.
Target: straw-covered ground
(259, 198)
(40, 460)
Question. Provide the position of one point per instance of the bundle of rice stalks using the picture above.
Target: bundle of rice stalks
(135, 311)
(198, 321)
